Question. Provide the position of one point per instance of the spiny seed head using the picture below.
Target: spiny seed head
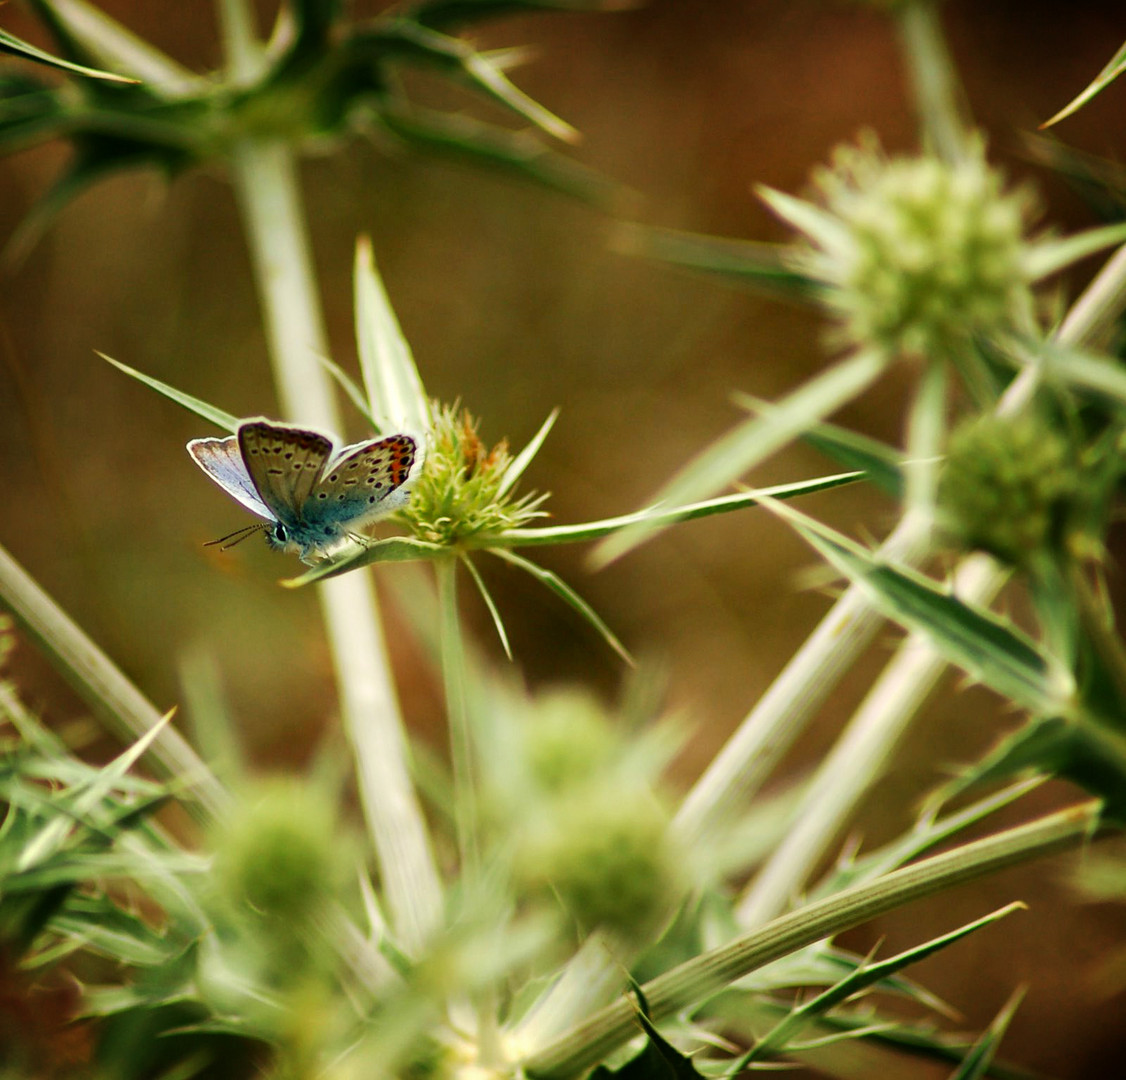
(1009, 487)
(458, 495)
(923, 252)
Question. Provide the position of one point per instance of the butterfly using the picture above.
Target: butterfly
(311, 497)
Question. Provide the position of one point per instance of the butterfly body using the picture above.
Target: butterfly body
(311, 497)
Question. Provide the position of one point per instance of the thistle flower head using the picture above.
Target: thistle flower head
(917, 253)
(567, 738)
(462, 493)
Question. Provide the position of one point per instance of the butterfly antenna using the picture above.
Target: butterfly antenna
(238, 536)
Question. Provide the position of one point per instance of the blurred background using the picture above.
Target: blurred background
(516, 300)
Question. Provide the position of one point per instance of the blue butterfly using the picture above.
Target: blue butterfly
(312, 498)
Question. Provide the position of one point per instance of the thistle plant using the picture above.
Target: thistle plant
(541, 903)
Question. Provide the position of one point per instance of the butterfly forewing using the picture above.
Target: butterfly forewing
(366, 480)
(222, 460)
(284, 464)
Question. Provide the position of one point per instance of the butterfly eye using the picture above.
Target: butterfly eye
(281, 535)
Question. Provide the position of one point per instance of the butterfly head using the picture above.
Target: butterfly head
(308, 541)
(277, 536)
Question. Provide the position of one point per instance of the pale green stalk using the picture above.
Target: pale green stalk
(858, 757)
(926, 431)
(943, 116)
(264, 174)
(455, 676)
(694, 981)
(1094, 316)
(243, 49)
(735, 774)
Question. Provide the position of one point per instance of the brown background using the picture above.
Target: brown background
(514, 301)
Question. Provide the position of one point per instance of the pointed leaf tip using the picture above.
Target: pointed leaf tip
(9, 43)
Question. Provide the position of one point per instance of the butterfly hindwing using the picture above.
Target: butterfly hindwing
(222, 460)
(365, 481)
(284, 464)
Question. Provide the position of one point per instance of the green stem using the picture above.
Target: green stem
(1094, 315)
(858, 757)
(926, 436)
(241, 45)
(779, 716)
(703, 976)
(264, 174)
(938, 99)
(455, 679)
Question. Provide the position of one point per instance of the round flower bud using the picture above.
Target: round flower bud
(275, 856)
(567, 739)
(605, 854)
(1008, 487)
(918, 252)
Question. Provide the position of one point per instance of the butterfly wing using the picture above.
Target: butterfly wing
(222, 461)
(284, 465)
(367, 480)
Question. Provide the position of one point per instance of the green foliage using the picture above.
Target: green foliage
(327, 78)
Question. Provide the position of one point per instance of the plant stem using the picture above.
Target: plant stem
(694, 981)
(264, 174)
(455, 678)
(926, 437)
(768, 731)
(1095, 314)
(858, 757)
(244, 53)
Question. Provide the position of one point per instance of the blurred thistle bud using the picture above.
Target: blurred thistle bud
(1009, 487)
(917, 253)
(277, 858)
(461, 492)
(605, 853)
(567, 739)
